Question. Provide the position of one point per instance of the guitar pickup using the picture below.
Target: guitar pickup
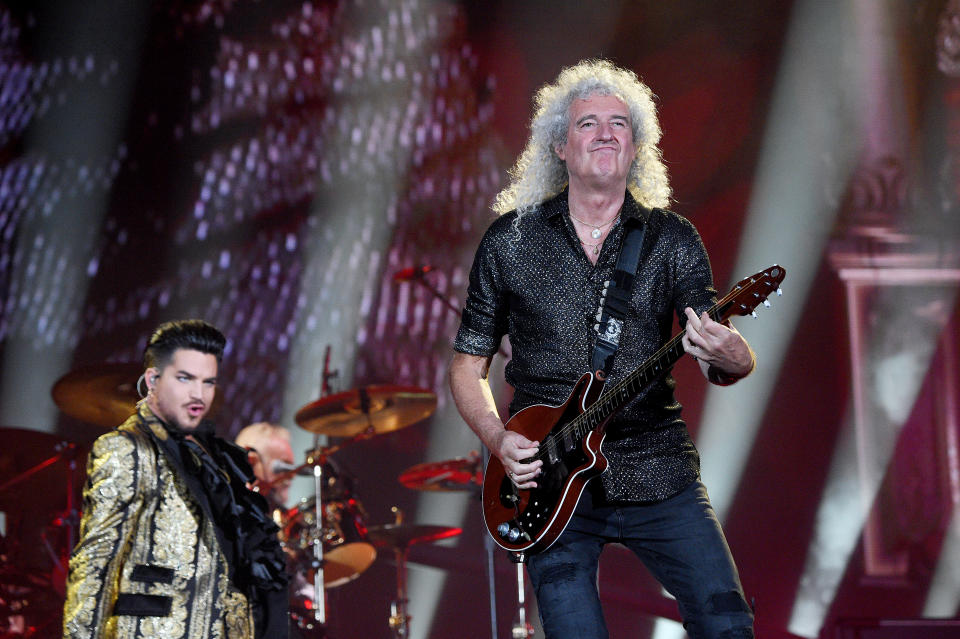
(568, 443)
(550, 444)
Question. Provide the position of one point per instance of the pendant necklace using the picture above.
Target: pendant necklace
(594, 248)
(596, 232)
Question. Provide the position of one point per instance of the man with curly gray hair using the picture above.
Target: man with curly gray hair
(591, 175)
(540, 173)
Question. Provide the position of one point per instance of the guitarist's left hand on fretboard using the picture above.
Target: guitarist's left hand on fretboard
(720, 349)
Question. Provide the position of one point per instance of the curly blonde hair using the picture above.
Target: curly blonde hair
(539, 173)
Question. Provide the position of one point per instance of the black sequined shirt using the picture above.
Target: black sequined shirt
(531, 279)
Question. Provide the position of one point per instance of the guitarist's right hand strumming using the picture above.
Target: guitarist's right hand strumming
(468, 383)
(512, 450)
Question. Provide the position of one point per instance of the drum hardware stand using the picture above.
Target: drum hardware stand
(520, 629)
(319, 595)
(70, 517)
(317, 458)
(327, 374)
(418, 276)
(399, 619)
(488, 547)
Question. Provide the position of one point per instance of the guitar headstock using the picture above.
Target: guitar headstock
(752, 291)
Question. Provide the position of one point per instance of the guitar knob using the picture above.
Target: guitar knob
(503, 529)
(514, 534)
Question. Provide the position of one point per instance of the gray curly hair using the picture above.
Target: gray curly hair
(539, 173)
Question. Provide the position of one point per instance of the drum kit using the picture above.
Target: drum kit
(326, 534)
(326, 537)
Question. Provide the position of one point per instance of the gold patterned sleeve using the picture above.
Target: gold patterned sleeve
(111, 502)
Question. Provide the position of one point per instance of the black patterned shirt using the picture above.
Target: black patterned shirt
(531, 279)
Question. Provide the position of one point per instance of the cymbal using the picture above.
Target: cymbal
(344, 563)
(341, 564)
(103, 394)
(384, 408)
(12, 579)
(403, 535)
(462, 473)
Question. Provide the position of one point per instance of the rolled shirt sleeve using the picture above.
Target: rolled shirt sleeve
(485, 315)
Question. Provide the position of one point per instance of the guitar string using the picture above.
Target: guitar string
(715, 314)
(604, 398)
(635, 376)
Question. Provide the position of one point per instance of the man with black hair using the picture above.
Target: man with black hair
(172, 543)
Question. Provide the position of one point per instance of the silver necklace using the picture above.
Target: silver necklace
(595, 247)
(596, 232)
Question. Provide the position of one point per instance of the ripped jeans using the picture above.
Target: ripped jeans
(681, 543)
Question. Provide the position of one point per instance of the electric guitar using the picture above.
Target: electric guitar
(571, 435)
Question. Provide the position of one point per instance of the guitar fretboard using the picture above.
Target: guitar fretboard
(615, 398)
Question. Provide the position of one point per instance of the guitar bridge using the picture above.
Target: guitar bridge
(509, 497)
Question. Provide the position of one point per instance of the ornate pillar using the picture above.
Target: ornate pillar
(896, 249)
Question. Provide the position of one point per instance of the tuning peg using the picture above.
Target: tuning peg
(766, 303)
(779, 292)
(753, 314)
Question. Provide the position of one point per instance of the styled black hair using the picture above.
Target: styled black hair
(193, 335)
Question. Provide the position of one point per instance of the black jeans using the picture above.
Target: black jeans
(681, 543)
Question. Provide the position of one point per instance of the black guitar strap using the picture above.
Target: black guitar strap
(615, 299)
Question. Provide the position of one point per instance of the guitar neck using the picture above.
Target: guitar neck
(613, 399)
(741, 300)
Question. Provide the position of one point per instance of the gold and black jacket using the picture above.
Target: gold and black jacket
(171, 543)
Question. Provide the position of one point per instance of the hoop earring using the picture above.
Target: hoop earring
(141, 393)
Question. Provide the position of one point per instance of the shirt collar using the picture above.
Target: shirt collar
(558, 204)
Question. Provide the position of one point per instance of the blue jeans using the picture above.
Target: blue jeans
(681, 543)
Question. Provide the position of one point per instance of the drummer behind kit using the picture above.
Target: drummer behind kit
(326, 535)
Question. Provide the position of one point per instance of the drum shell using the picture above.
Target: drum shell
(343, 533)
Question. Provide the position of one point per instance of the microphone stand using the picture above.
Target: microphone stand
(418, 277)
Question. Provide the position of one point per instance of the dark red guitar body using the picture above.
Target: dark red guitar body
(545, 510)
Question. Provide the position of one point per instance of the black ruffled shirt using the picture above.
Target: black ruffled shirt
(531, 279)
(217, 473)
